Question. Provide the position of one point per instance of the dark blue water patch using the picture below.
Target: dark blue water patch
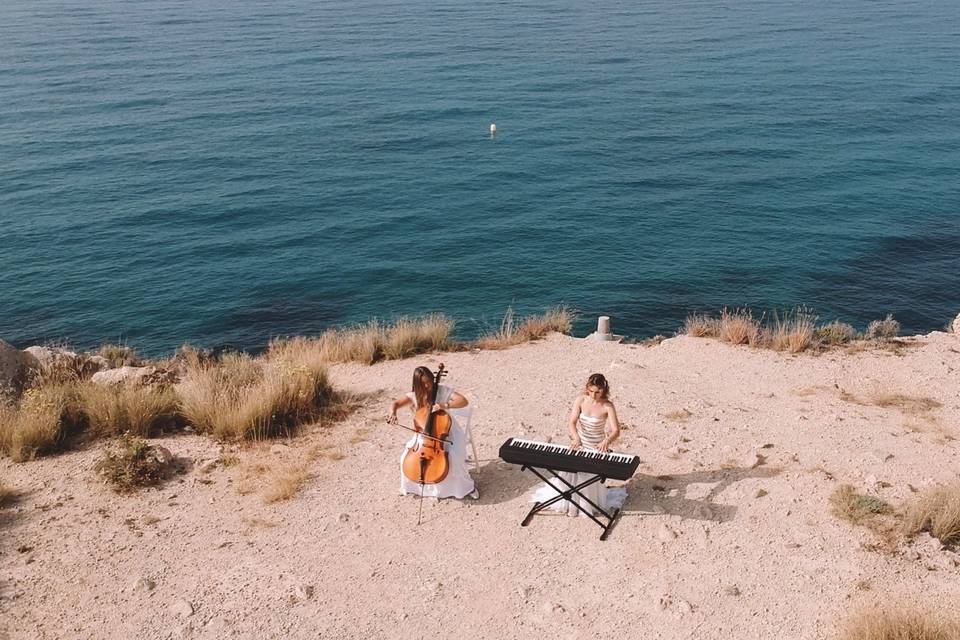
(877, 281)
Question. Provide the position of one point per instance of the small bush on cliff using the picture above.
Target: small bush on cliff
(41, 423)
(131, 463)
(240, 398)
(885, 329)
(513, 332)
(835, 333)
(938, 512)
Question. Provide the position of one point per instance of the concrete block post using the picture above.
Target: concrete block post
(603, 325)
(603, 332)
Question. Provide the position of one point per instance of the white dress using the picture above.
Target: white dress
(591, 432)
(458, 483)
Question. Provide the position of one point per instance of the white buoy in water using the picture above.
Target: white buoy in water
(493, 129)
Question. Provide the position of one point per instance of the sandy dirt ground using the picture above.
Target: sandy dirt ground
(726, 532)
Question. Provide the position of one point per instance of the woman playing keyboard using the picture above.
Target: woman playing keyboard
(593, 426)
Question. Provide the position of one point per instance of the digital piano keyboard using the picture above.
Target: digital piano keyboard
(545, 455)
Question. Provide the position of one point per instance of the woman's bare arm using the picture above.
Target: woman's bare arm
(402, 401)
(614, 428)
(574, 417)
(455, 401)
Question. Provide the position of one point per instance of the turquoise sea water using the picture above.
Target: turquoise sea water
(222, 172)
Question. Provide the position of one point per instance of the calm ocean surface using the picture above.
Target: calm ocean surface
(223, 172)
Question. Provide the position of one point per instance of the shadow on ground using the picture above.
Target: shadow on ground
(666, 495)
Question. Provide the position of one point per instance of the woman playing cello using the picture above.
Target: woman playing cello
(457, 483)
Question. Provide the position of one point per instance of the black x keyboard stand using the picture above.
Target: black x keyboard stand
(612, 517)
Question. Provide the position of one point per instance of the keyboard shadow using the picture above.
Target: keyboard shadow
(499, 481)
(666, 494)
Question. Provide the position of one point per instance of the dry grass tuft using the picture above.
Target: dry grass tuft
(915, 406)
(228, 460)
(738, 327)
(140, 411)
(910, 405)
(249, 474)
(885, 329)
(679, 415)
(701, 325)
(325, 450)
(938, 512)
(370, 342)
(897, 620)
(275, 481)
(131, 464)
(284, 482)
(794, 332)
(240, 398)
(408, 337)
(119, 355)
(512, 332)
(259, 523)
(41, 424)
(855, 507)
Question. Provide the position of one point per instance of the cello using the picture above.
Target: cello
(426, 461)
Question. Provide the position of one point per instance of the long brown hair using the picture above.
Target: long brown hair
(597, 380)
(422, 385)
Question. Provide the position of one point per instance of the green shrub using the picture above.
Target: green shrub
(131, 463)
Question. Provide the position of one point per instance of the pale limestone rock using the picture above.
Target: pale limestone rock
(303, 592)
(206, 466)
(44, 355)
(135, 376)
(161, 454)
(99, 363)
(57, 359)
(181, 609)
(144, 585)
(122, 375)
(17, 368)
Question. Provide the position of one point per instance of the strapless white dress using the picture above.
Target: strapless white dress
(591, 432)
(458, 483)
